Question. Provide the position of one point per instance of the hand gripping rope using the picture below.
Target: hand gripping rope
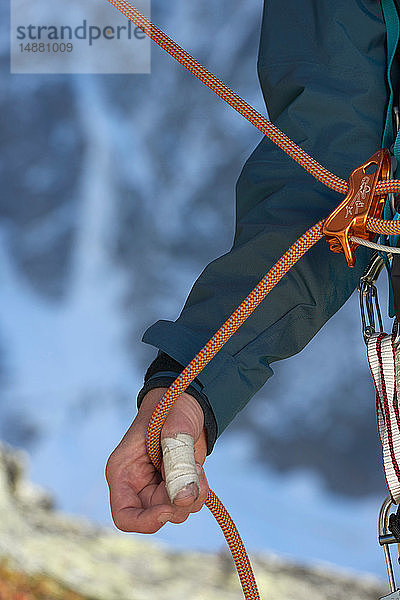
(356, 217)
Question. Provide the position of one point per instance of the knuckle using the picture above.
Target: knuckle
(119, 524)
(118, 520)
(204, 494)
(110, 467)
(198, 505)
(126, 527)
(180, 518)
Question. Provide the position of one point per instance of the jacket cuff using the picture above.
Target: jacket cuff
(162, 372)
(226, 382)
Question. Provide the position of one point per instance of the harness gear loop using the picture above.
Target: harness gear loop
(350, 217)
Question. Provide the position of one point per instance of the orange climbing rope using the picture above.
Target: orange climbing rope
(275, 274)
(236, 319)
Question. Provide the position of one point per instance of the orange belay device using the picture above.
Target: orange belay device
(350, 217)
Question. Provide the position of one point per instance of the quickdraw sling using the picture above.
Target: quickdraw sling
(384, 363)
(358, 217)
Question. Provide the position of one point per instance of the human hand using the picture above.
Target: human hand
(138, 496)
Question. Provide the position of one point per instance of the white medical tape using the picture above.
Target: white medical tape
(179, 464)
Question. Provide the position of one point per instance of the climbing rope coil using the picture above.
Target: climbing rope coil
(356, 220)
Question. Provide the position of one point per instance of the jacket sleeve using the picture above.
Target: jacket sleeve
(161, 373)
(321, 67)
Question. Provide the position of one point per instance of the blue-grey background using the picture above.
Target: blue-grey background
(116, 191)
(69, 36)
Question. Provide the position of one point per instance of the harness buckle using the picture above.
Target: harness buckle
(350, 217)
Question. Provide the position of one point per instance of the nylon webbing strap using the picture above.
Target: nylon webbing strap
(384, 360)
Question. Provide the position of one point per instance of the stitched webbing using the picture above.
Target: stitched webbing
(382, 352)
(250, 303)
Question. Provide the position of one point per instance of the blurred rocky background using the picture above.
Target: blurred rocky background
(116, 191)
(48, 555)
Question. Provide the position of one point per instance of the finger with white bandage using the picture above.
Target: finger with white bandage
(140, 496)
(181, 476)
(180, 431)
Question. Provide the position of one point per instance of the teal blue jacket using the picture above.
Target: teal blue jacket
(322, 69)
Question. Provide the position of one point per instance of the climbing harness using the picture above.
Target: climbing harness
(356, 220)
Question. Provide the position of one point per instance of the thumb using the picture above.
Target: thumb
(181, 430)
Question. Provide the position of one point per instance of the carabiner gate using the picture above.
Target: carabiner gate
(369, 302)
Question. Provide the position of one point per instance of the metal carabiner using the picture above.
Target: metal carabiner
(385, 538)
(369, 302)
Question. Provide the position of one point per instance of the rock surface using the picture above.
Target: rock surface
(103, 564)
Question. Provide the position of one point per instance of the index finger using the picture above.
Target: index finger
(130, 515)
